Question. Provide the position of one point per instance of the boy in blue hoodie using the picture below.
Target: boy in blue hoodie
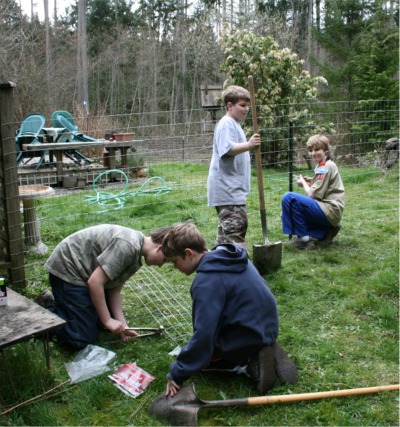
(235, 317)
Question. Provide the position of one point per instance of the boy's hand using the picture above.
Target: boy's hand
(128, 335)
(301, 180)
(255, 140)
(172, 388)
(115, 326)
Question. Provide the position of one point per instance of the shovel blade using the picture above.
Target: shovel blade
(267, 258)
(180, 410)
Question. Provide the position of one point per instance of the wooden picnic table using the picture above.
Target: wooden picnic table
(59, 147)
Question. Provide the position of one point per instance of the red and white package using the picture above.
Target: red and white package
(131, 379)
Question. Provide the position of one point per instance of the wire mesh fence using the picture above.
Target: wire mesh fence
(161, 179)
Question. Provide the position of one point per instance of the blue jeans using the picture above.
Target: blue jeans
(74, 305)
(302, 216)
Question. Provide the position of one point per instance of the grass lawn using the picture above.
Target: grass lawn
(338, 310)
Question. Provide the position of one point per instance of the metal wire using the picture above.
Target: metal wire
(169, 306)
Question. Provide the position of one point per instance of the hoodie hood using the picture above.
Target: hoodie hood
(224, 258)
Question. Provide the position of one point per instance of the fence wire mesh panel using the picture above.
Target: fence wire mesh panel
(169, 306)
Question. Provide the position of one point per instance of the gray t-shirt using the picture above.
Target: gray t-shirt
(229, 176)
(115, 248)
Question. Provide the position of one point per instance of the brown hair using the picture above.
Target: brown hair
(157, 236)
(234, 94)
(318, 142)
(181, 237)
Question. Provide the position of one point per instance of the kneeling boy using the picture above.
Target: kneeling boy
(235, 317)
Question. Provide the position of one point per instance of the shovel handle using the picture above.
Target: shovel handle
(257, 151)
(270, 400)
(288, 398)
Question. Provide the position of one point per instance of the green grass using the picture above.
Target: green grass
(338, 310)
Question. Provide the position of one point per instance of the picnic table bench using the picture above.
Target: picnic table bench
(59, 147)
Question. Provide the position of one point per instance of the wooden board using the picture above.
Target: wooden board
(22, 319)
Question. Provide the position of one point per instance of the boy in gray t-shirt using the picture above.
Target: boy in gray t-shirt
(229, 174)
(87, 271)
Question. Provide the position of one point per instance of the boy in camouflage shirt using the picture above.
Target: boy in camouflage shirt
(87, 271)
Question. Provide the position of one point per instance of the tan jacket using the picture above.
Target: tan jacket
(328, 191)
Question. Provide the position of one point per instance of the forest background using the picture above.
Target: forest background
(104, 57)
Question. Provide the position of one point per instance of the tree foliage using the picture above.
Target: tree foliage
(357, 38)
(283, 88)
(155, 56)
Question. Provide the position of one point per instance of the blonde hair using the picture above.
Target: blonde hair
(181, 237)
(318, 142)
(234, 94)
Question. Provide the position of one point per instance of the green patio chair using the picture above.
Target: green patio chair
(30, 132)
(70, 133)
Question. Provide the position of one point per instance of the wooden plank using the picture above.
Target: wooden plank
(22, 319)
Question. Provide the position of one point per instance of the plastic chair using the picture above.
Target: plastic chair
(30, 132)
(70, 133)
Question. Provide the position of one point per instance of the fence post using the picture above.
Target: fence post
(290, 159)
(11, 247)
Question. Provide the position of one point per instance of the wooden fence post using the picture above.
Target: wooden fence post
(11, 247)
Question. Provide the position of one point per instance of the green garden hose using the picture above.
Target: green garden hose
(117, 201)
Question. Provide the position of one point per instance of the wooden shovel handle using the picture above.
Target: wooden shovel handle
(257, 151)
(270, 400)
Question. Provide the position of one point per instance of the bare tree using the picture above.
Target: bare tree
(82, 62)
(48, 50)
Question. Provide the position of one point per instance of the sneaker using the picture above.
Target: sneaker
(330, 234)
(261, 369)
(284, 365)
(300, 244)
(45, 299)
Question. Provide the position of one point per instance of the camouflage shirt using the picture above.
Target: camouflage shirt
(115, 248)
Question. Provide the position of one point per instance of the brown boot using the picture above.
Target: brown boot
(330, 234)
(261, 369)
(284, 365)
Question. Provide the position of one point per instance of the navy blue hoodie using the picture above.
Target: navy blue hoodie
(233, 308)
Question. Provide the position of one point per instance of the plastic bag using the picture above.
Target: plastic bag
(88, 363)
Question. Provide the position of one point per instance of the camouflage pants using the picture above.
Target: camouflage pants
(232, 225)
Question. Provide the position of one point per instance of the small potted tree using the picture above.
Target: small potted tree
(136, 162)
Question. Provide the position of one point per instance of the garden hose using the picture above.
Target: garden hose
(117, 201)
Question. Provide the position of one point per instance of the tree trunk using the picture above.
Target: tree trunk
(48, 53)
(307, 65)
(83, 91)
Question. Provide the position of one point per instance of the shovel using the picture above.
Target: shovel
(181, 410)
(266, 257)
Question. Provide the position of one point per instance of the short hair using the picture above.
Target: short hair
(234, 94)
(157, 236)
(318, 142)
(183, 236)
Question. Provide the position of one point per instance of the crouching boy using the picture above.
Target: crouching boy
(235, 317)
